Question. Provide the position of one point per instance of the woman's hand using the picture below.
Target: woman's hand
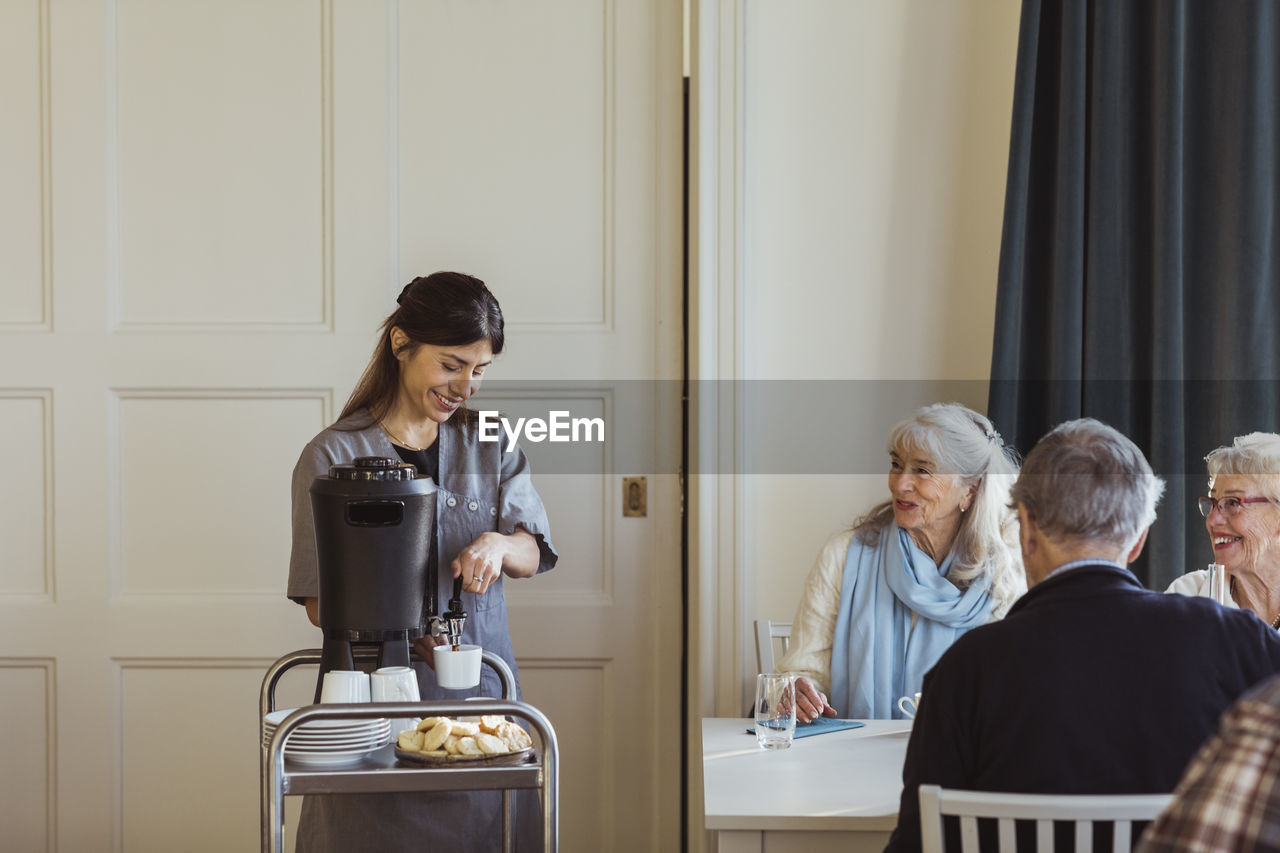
(313, 610)
(424, 645)
(811, 703)
(480, 563)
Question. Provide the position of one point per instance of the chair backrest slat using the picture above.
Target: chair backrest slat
(1044, 834)
(1121, 836)
(1008, 835)
(930, 830)
(969, 834)
(1084, 836)
(768, 630)
(1120, 810)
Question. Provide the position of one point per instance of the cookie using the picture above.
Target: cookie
(410, 741)
(491, 744)
(439, 734)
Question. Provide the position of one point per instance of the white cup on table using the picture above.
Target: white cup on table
(908, 705)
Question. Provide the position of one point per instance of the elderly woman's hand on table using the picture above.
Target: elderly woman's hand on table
(811, 703)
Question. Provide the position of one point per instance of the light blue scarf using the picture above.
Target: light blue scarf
(876, 657)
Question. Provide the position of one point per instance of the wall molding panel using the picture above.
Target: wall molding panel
(578, 694)
(30, 754)
(31, 282)
(200, 237)
(593, 310)
(157, 703)
(575, 482)
(157, 544)
(28, 576)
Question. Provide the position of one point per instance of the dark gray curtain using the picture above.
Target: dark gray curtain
(1138, 266)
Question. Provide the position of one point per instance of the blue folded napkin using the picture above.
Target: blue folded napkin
(822, 726)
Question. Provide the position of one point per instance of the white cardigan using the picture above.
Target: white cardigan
(1195, 583)
(813, 629)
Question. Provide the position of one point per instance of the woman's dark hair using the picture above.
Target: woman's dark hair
(442, 309)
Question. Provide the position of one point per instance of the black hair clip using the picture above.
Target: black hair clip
(405, 292)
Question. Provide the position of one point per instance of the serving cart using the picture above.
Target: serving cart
(382, 772)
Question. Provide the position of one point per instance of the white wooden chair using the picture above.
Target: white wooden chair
(1120, 810)
(767, 631)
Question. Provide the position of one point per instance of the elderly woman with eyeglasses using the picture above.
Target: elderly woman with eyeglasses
(1242, 515)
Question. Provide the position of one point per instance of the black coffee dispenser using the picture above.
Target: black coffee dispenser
(375, 522)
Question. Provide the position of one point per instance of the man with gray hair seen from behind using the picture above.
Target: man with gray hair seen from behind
(1091, 684)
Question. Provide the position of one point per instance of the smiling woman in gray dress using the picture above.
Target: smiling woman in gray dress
(432, 353)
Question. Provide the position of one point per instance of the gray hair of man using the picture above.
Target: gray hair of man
(964, 443)
(1085, 482)
(1256, 455)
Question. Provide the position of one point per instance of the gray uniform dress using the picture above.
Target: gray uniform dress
(481, 488)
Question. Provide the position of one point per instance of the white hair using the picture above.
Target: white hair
(1255, 455)
(963, 443)
(1086, 482)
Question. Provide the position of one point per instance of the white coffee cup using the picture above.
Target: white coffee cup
(457, 670)
(396, 684)
(344, 686)
(913, 702)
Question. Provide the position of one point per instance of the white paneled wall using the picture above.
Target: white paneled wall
(206, 208)
(848, 196)
(877, 137)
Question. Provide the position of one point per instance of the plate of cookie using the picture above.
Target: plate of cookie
(441, 741)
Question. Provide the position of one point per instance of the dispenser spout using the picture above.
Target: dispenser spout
(454, 620)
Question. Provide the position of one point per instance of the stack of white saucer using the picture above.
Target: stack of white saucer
(329, 743)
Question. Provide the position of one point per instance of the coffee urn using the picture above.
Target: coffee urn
(375, 522)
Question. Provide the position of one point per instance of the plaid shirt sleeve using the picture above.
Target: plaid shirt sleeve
(1229, 797)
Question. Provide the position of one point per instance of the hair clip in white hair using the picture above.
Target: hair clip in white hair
(995, 436)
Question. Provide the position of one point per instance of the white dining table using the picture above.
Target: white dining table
(833, 791)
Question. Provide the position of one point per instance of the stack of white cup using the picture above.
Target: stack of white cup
(397, 684)
(344, 686)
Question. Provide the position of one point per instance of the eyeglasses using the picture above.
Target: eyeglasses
(1228, 506)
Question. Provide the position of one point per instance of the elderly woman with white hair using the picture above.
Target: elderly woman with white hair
(887, 597)
(1242, 515)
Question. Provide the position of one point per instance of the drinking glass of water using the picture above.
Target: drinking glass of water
(775, 710)
(1219, 584)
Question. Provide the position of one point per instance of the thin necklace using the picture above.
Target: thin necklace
(1275, 623)
(400, 441)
